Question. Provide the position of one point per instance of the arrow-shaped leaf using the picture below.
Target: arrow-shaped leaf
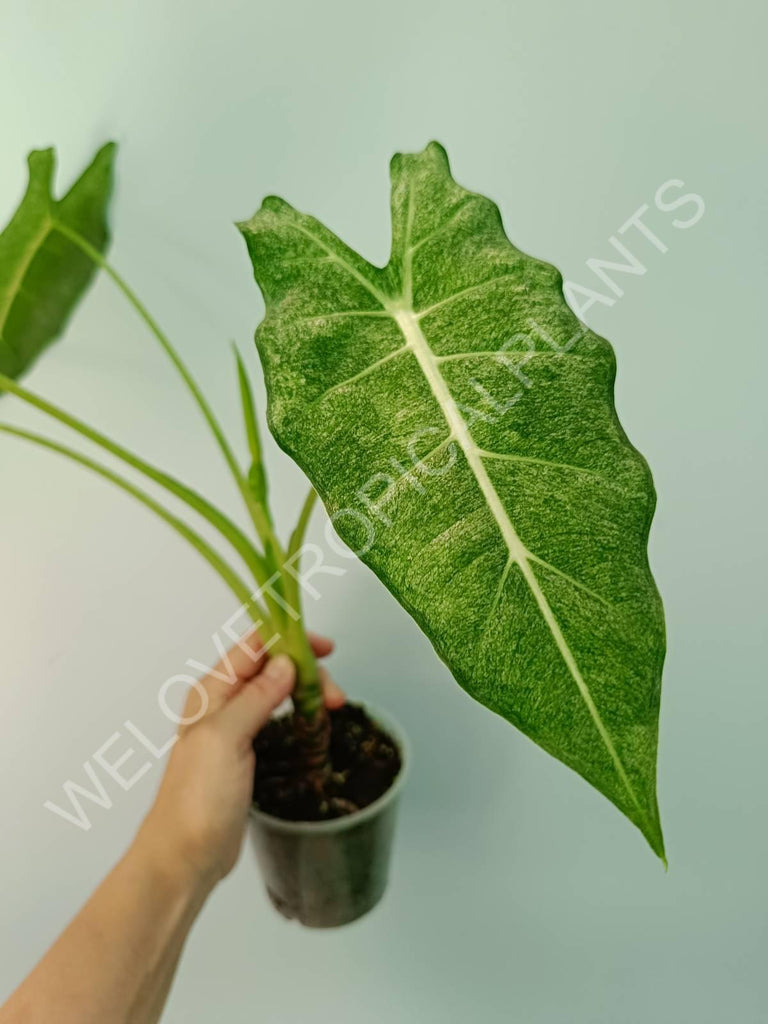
(43, 273)
(458, 422)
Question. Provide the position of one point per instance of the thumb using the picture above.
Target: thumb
(250, 709)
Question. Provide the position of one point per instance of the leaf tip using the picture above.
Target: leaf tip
(242, 373)
(661, 853)
(651, 829)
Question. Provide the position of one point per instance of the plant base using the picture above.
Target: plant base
(326, 873)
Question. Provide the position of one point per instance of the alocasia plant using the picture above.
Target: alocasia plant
(518, 539)
(459, 424)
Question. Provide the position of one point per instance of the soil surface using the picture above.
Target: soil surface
(364, 759)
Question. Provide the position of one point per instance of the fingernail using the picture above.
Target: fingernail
(279, 668)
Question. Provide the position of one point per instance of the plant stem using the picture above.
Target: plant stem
(308, 692)
(309, 708)
(257, 483)
(311, 722)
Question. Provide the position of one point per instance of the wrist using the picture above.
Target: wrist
(169, 866)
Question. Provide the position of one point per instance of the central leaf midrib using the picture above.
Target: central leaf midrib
(18, 280)
(408, 324)
(518, 553)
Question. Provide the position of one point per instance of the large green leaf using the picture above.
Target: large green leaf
(518, 540)
(42, 273)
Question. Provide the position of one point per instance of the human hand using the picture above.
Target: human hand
(197, 822)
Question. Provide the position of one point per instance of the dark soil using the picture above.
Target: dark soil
(364, 763)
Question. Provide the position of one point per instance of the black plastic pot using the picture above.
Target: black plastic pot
(328, 873)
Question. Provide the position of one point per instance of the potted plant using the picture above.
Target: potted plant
(458, 423)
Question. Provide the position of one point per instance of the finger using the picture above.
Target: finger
(321, 645)
(246, 659)
(242, 662)
(333, 694)
(250, 709)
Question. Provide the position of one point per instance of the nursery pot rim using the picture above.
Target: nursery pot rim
(393, 727)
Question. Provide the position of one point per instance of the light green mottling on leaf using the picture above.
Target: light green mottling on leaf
(454, 402)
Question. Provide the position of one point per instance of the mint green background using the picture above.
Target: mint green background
(519, 894)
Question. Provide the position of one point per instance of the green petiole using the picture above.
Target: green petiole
(178, 362)
(217, 519)
(237, 585)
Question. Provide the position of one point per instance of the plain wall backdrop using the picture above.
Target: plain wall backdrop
(519, 894)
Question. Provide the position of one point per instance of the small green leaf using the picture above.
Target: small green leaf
(42, 273)
(300, 530)
(257, 478)
(458, 422)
